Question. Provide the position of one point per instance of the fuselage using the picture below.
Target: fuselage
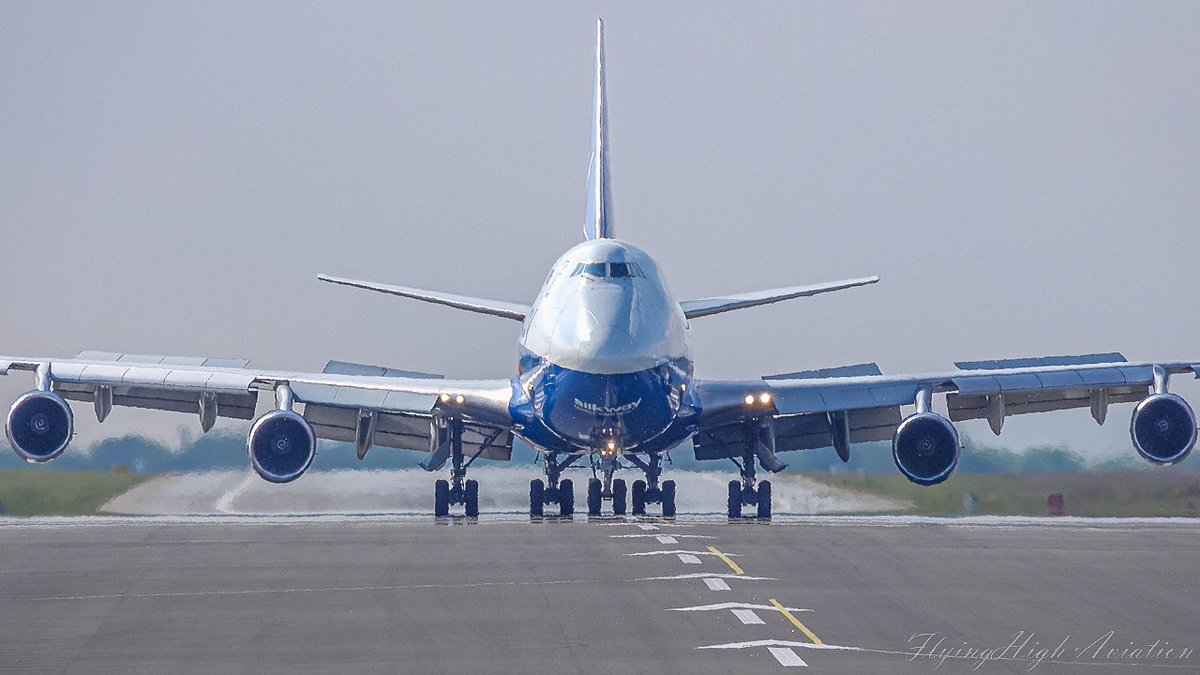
(605, 365)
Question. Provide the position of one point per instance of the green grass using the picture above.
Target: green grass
(60, 493)
(1131, 494)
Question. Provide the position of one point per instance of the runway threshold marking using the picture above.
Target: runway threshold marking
(732, 565)
(796, 622)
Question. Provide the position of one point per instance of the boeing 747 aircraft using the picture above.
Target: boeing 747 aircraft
(604, 376)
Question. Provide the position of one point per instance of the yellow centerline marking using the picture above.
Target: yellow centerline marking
(728, 561)
(796, 622)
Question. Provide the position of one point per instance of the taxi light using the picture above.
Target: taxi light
(749, 399)
(445, 398)
(765, 398)
(459, 399)
(612, 445)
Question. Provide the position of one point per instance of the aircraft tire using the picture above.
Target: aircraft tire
(441, 498)
(764, 499)
(620, 494)
(639, 498)
(668, 498)
(735, 499)
(566, 497)
(594, 501)
(537, 494)
(472, 498)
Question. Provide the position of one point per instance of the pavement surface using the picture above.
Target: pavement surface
(504, 594)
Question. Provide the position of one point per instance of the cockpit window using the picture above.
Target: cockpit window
(620, 270)
(617, 270)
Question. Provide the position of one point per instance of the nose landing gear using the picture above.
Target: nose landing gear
(611, 489)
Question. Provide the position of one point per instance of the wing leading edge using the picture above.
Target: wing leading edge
(508, 310)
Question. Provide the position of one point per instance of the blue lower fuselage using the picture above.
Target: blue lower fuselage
(574, 412)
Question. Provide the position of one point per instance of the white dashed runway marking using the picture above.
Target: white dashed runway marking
(666, 539)
(786, 657)
(716, 584)
(747, 616)
(688, 558)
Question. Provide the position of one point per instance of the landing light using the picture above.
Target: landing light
(765, 398)
(749, 399)
(459, 399)
(445, 398)
(612, 445)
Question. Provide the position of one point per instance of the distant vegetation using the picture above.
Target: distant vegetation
(24, 493)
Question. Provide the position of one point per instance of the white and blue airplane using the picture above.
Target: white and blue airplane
(604, 375)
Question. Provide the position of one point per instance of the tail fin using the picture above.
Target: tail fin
(599, 222)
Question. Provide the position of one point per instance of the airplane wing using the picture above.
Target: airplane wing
(839, 407)
(508, 310)
(367, 405)
(727, 303)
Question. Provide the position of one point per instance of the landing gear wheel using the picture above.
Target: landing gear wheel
(735, 499)
(566, 497)
(668, 498)
(639, 497)
(441, 498)
(594, 500)
(764, 499)
(537, 495)
(471, 497)
(619, 491)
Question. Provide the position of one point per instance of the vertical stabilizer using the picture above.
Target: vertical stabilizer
(599, 223)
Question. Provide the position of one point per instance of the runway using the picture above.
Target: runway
(390, 594)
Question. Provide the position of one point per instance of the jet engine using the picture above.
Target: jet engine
(39, 427)
(925, 448)
(1163, 428)
(282, 446)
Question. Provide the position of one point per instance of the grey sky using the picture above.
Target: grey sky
(1023, 176)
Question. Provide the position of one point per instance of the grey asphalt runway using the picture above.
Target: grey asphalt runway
(391, 594)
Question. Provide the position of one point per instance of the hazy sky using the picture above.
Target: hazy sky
(1024, 177)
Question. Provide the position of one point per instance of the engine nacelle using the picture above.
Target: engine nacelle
(925, 448)
(39, 426)
(1163, 428)
(282, 446)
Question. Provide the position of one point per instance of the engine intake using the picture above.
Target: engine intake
(282, 446)
(39, 426)
(925, 448)
(1163, 428)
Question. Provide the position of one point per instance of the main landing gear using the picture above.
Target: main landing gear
(459, 489)
(744, 492)
(649, 491)
(553, 490)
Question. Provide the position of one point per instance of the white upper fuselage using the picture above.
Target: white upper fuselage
(606, 309)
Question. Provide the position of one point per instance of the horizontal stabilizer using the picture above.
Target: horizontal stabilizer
(508, 310)
(728, 303)
(858, 370)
